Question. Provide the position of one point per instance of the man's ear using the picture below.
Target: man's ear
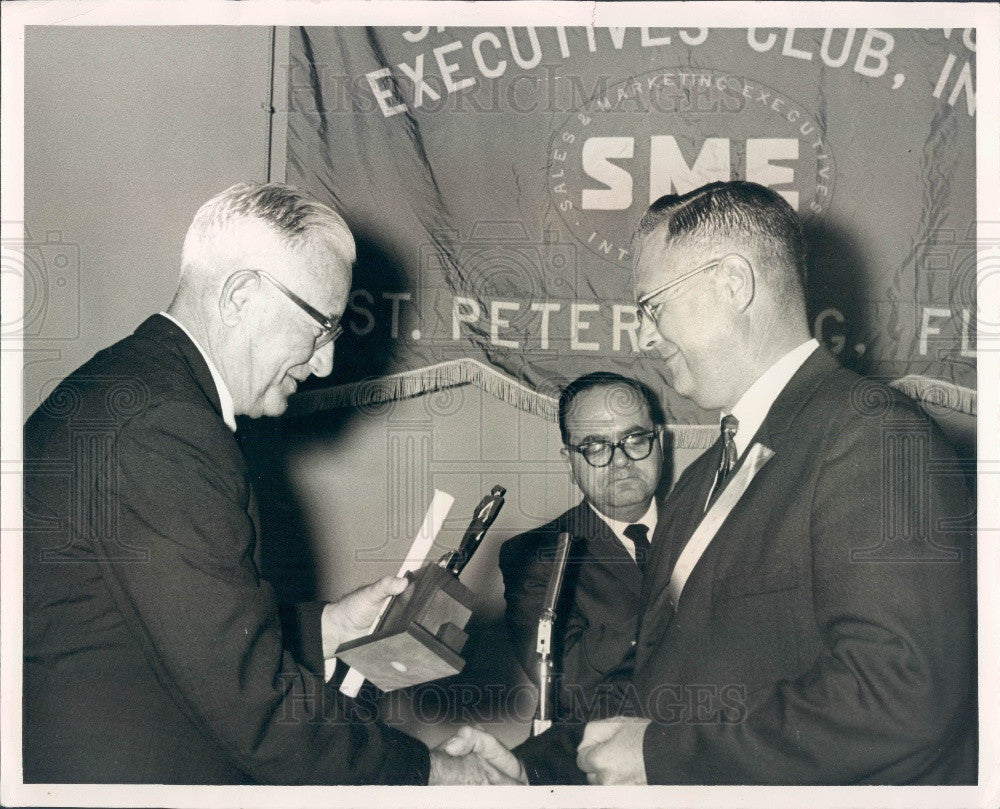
(236, 294)
(566, 457)
(737, 276)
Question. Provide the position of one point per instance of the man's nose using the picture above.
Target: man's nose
(649, 335)
(321, 362)
(618, 457)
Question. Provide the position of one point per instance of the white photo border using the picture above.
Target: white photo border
(985, 17)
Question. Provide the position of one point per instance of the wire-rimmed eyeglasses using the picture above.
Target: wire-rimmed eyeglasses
(330, 326)
(648, 311)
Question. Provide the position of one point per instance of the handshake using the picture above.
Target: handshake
(473, 756)
(610, 753)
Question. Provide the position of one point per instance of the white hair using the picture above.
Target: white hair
(303, 224)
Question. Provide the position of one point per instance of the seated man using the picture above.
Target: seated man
(611, 430)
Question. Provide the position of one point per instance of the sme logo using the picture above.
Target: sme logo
(670, 131)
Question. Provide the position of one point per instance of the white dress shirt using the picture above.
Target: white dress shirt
(225, 398)
(618, 527)
(754, 404)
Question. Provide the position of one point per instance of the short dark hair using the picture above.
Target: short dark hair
(601, 379)
(740, 209)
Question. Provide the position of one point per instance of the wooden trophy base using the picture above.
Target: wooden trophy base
(421, 635)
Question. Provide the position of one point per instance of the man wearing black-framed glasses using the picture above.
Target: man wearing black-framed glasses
(612, 433)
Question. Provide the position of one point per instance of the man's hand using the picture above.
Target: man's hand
(352, 616)
(474, 741)
(611, 751)
(470, 769)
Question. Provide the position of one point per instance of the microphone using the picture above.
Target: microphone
(543, 644)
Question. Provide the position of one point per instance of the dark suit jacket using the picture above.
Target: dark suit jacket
(596, 617)
(153, 649)
(827, 633)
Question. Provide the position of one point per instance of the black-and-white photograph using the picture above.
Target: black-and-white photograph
(575, 398)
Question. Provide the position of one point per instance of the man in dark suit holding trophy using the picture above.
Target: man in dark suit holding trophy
(154, 650)
(808, 609)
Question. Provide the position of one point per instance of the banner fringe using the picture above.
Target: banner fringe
(443, 375)
(468, 371)
(938, 393)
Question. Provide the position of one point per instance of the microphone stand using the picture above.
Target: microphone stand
(543, 643)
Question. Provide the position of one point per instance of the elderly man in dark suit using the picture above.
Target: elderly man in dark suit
(154, 651)
(611, 427)
(808, 610)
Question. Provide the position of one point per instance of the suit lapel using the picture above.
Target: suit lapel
(677, 520)
(163, 330)
(255, 545)
(687, 501)
(715, 515)
(603, 548)
(799, 390)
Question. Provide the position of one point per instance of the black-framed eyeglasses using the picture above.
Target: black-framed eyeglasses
(649, 312)
(636, 446)
(330, 328)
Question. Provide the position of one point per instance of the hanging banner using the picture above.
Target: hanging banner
(493, 178)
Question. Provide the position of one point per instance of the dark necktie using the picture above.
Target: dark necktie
(638, 533)
(727, 460)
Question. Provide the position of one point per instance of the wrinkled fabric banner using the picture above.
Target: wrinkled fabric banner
(493, 178)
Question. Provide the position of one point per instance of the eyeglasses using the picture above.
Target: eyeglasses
(650, 312)
(636, 446)
(330, 326)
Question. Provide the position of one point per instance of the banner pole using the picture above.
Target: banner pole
(277, 106)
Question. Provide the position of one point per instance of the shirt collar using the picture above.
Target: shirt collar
(618, 527)
(753, 405)
(225, 398)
